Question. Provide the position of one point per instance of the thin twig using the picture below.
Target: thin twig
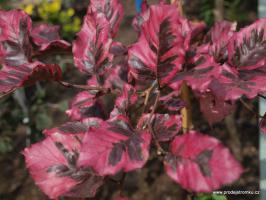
(147, 94)
(160, 150)
(250, 109)
(7, 93)
(83, 87)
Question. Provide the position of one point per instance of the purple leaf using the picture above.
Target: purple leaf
(115, 146)
(200, 163)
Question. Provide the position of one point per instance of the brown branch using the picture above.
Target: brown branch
(186, 111)
(185, 93)
(219, 10)
(83, 87)
(250, 109)
(147, 94)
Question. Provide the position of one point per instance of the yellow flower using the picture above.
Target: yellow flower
(54, 6)
(70, 12)
(29, 9)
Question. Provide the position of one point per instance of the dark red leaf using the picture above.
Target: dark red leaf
(112, 10)
(15, 48)
(200, 163)
(165, 126)
(53, 165)
(262, 124)
(91, 49)
(213, 108)
(115, 146)
(47, 37)
(159, 53)
(122, 198)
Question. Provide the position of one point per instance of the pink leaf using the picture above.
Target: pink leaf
(118, 49)
(159, 53)
(218, 38)
(200, 76)
(190, 30)
(200, 163)
(125, 101)
(47, 37)
(247, 47)
(86, 105)
(92, 46)
(14, 38)
(112, 10)
(248, 81)
(15, 54)
(141, 17)
(114, 77)
(171, 102)
(12, 77)
(52, 164)
(115, 146)
(165, 126)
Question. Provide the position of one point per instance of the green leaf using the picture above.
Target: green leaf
(211, 197)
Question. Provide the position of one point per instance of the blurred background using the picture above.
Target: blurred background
(24, 114)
